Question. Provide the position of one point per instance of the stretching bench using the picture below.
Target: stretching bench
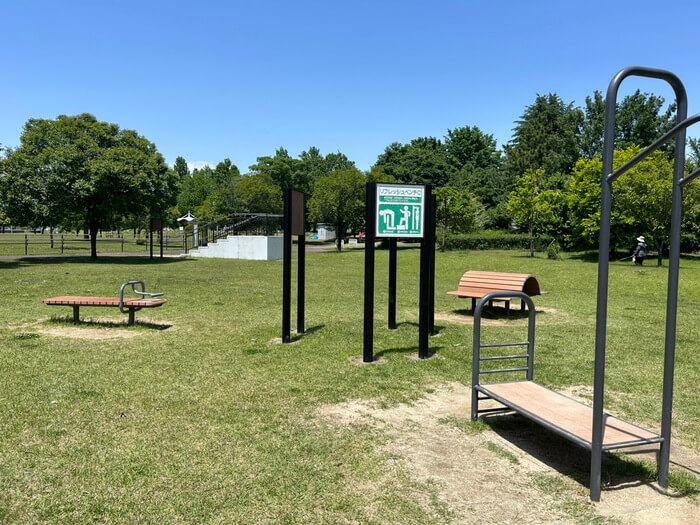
(125, 305)
(477, 284)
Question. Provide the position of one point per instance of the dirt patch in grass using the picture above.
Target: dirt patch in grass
(506, 471)
(99, 328)
(516, 318)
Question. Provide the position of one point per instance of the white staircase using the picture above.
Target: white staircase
(253, 247)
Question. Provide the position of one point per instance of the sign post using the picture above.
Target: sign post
(156, 225)
(293, 225)
(399, 211)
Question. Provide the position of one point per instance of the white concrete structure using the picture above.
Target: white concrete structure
(326, 232)
(255, 247)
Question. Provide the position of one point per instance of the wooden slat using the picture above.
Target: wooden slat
(566, 413)
(476, 284)
(70, 300)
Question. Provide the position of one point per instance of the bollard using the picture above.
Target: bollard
(61, 244)
(26, 244)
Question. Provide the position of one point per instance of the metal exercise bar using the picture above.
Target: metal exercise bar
(497, 358)
(639, 157)
(501, 345)
(477, 346)
(503, 370)
(603, 266)
(690, 177)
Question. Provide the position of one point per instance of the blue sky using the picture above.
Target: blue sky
(209, 80)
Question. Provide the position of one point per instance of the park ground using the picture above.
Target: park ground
(195, 415)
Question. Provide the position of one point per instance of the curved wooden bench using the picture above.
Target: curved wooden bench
(476, 284)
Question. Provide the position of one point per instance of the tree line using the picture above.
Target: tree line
(76, 172)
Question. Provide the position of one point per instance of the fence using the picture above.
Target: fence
(18, 244)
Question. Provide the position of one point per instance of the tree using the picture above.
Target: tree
(456, 210)
(471, 146)
(532, 206)
(258, 193)
(639, 122)
(641, 200)
(422, 161)
(339, 199)
(76, 167)
(180, 167)
(546, 137)
(195, 189)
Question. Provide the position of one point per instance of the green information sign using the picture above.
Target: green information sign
(400, 210)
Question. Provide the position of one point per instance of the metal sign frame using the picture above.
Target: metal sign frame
(427, 270)
(407, 200)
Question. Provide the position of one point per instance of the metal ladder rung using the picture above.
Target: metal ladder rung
(503, 357)
(501, 345)
(503, 370)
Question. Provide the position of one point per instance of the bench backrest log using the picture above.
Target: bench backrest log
(477, 284)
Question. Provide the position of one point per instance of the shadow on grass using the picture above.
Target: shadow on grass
(407, 350)
(571, 460)
(496, 313)
(66, 321)
(298, 337)
(103, 259)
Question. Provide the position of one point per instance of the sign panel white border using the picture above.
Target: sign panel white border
(399, 187)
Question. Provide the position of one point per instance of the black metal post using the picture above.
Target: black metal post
(431, 295)
(26, 244)
(62, 244)
(392, 284)
(151, 243)
(301, 281)
(370, 221)
(287, 268)
(424, 307)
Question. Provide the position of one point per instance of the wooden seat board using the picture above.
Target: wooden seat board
(565, 413)
(103, 301)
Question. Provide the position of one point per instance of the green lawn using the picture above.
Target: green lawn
(206, 421)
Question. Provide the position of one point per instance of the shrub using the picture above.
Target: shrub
(553, 251)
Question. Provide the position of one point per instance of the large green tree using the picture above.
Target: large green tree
(533, 206)
(456, 210)
(640, 120)
(641, 201)
(422, 161)
(546, 137)
(78, 168)
(339, 199)
(469, 146)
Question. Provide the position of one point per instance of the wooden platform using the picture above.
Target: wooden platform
(566, 416)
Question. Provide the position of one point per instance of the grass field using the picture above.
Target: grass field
(207, 421)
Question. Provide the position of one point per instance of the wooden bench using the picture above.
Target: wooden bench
(128, 305)
(476, 284)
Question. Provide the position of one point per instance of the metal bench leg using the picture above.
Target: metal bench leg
(132, 317)
(473, 304)
(508, 307)
(522, 305)
(76, 313)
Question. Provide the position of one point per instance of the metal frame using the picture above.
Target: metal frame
(131, 310)
(674, 257)
(477, 346)
(426, 316)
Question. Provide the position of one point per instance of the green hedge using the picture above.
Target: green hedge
(495, 241)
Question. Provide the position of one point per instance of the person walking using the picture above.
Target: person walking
(640, 252)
